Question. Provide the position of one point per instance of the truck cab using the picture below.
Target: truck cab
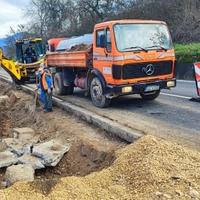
(132, 57)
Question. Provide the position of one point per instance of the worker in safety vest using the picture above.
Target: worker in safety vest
(45, 87)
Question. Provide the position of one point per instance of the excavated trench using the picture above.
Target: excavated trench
(91, 149)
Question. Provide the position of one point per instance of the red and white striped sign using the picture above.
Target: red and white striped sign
(197, 76)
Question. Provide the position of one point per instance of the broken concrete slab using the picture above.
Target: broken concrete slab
(19, 172)
(17, 146)
(35, 162)
(25, 134)
(7, 158)
(50, 152)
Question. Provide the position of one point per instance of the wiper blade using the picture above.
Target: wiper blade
(159, 46)
(136, 47)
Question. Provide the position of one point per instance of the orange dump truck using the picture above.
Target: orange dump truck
(120, 58)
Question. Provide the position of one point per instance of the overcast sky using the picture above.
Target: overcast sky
(11, 14)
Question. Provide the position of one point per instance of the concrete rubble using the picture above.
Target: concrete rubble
(17, 146)
(7, 158)
(24, 134)
(35, 162)
(50, 152)
(28, 156)
(19, 173)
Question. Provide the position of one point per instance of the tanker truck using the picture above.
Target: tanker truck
(121, 57)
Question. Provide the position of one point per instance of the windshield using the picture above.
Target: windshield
(40, 48)
(21, 48)
(130, 37)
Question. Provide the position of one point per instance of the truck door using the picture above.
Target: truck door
(102, 58)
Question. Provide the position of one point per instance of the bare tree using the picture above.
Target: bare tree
(55, 18)
(12, 37)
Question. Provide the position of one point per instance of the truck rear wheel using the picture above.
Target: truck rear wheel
(150, 96)
(96, 92)
(59, 86)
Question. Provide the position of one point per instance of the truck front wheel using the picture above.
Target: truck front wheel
(96, 92)
(150, 96)
(59, 86)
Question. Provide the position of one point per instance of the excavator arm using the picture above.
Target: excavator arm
(13, 69)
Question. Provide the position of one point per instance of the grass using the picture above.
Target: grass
(187, 53)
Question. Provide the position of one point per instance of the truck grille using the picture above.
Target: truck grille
(130, 71)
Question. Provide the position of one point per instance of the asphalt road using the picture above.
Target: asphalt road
(183, 89)
(171, 116)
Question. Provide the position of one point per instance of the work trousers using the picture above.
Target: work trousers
(48, 102)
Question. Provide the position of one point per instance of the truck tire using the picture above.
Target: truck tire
(96, 93)
(59, 87)
(150, 96)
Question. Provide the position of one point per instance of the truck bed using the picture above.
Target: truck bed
(76, 59)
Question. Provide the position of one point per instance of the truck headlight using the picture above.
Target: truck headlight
(171, 84)
(127, 89)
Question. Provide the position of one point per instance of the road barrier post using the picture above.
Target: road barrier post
(197, 80)
(197, 76)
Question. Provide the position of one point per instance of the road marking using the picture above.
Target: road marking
(185, 81)
(175, 95)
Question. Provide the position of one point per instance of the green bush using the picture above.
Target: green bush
(187, 53)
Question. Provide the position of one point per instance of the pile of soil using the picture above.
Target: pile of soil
(80, 47)
(149, 169)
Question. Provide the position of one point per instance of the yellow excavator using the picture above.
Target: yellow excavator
(29, 55)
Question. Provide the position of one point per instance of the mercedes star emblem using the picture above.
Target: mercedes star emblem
(149, 69)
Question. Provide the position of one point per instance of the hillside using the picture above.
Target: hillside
(2, 42)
